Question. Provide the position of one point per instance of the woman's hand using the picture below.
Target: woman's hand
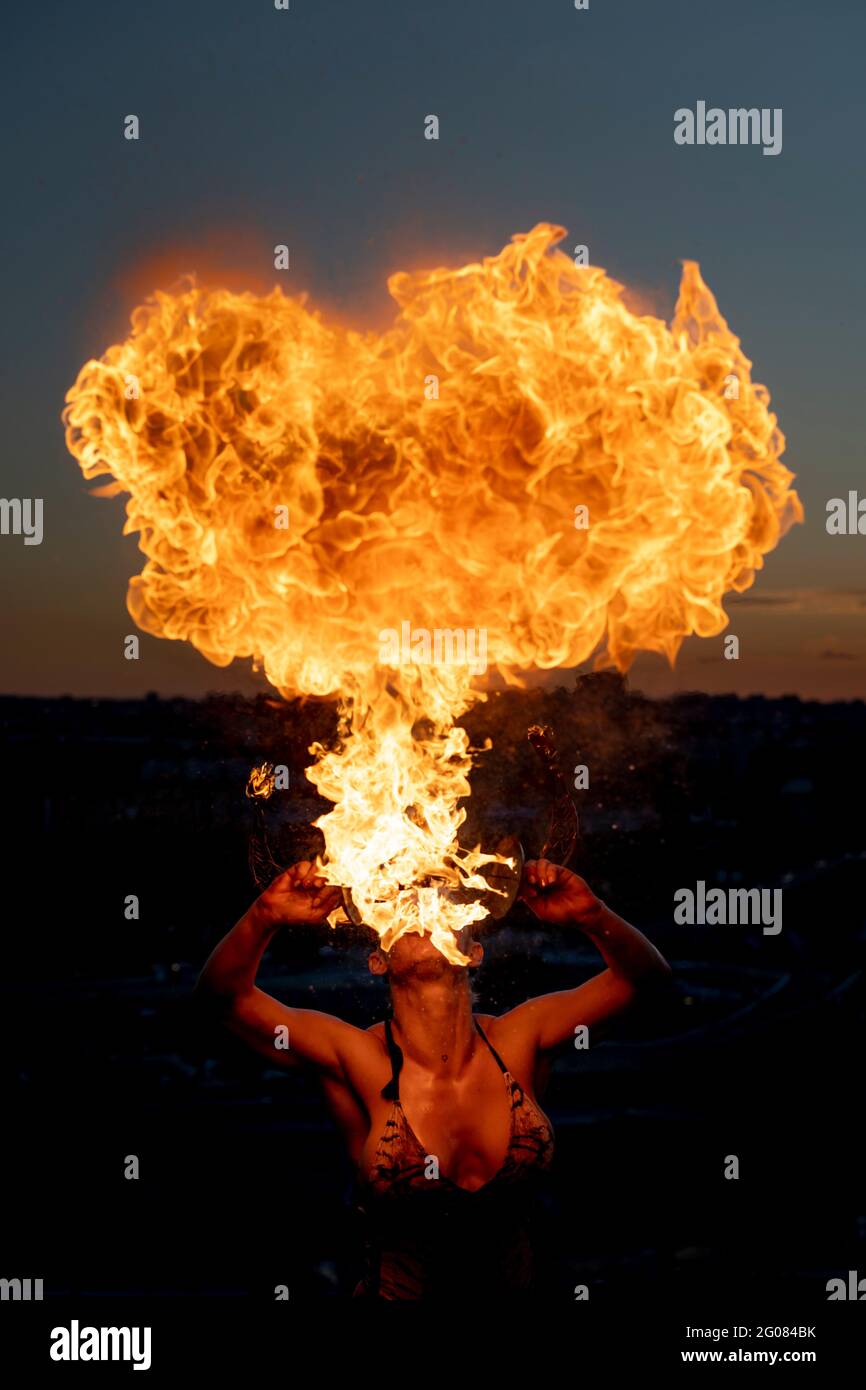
(298, 895)
(557, 895)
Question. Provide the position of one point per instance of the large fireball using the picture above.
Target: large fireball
(520, 455)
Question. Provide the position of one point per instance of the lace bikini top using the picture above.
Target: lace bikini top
(421, 1229)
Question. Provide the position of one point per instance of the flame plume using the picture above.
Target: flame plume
(221, 412)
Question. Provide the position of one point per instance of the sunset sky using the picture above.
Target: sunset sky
(306, 127)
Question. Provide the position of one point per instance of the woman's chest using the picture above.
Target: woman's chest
(465, 1132)
(461, 1134)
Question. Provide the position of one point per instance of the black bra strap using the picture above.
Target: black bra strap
(498, 1059)
(392, 1090)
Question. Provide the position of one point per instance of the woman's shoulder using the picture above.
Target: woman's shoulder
(514, 1045)
(486, 1020)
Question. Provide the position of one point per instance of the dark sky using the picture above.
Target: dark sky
(261, 126)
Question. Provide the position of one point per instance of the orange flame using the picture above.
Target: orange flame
(331, 503)
(260, 783)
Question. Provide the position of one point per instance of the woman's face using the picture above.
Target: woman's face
(414, 955)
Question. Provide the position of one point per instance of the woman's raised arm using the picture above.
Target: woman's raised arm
(288, 1037)
(558, 896)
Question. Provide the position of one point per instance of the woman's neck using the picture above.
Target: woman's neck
(433, 1023)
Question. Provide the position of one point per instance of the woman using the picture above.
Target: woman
(437, 1106)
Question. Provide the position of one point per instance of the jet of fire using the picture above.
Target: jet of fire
(300, 490)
